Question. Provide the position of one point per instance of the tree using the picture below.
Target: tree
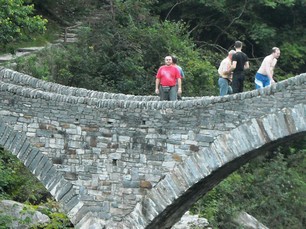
(66, 12)
(271, 187)
(261, 25)
(17, 182)
(121, 52)
(18, 22)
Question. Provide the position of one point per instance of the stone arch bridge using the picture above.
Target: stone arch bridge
(123, 161)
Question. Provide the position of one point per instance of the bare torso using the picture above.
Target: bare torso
(267, 66)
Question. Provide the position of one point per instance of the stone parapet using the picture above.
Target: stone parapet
(128, 161)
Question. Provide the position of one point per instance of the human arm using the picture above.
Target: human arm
(157, 82)
(234, 65)
(274, 61)
(182, 73)
(246, 65)
(179, 84)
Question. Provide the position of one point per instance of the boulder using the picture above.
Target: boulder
(191, 221)
(21, 216)
(248, 222)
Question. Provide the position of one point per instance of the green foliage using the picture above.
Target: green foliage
(33, 65)
(49, 64)
(261, 32)
(5, 220)
(261, 25)
(66, 12)
(293, 53)
(201, 78)
(271, 188)
(273, 4)
(18, 22)
(122, 51)
(123, 55)
(59, 220)
(17, 183)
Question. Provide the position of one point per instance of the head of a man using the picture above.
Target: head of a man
(231, 53)
(174, 59)
(238, 45)
(168, 60)
(276, 52)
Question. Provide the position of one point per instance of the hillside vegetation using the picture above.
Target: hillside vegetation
(120, 46)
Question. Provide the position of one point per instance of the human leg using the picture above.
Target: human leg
(261, 80)
(230, 90)
(241, 82)
(164, 93)
(173, 93)
(267, 82)
(258, 82)
(235, 83)
(223, 85)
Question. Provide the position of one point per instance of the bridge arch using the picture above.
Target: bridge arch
(165, 204)
(148, 149)
(41, 167)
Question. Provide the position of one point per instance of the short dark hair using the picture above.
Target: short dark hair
(238, 44)
(174, 59)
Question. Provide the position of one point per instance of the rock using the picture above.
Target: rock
(191, 221)
(248, 222)
(20, 52)
(30, 49)
(19, 213)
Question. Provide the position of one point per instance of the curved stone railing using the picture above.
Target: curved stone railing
(8, 75)
(36, 88)
(145, 141)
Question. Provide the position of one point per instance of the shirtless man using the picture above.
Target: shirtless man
(225, 74)
(264, 75)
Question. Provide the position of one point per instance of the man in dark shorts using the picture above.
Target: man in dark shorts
(240, 63)
(168, 82)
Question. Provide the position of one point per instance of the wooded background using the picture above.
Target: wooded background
(122, 43)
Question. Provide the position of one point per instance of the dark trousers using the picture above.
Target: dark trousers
(168, 93)
(237, 83)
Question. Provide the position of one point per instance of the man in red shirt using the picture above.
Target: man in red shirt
(165, 84)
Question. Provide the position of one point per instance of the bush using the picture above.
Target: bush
(271, 188)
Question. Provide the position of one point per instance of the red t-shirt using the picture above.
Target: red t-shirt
(168, 75)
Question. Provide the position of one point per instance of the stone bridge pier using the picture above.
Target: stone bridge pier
(119, 161)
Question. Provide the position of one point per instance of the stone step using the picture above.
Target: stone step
(69, 35)
(68, 40)
(30, 49)
(5, 57)
(73, 30)
(20, 52)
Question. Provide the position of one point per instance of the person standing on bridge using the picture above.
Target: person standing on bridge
(174, 62)
(264, 75)
(225, 74)
(240, 63)
(166, 79)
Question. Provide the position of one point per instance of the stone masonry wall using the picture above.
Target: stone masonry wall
(113, 148)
